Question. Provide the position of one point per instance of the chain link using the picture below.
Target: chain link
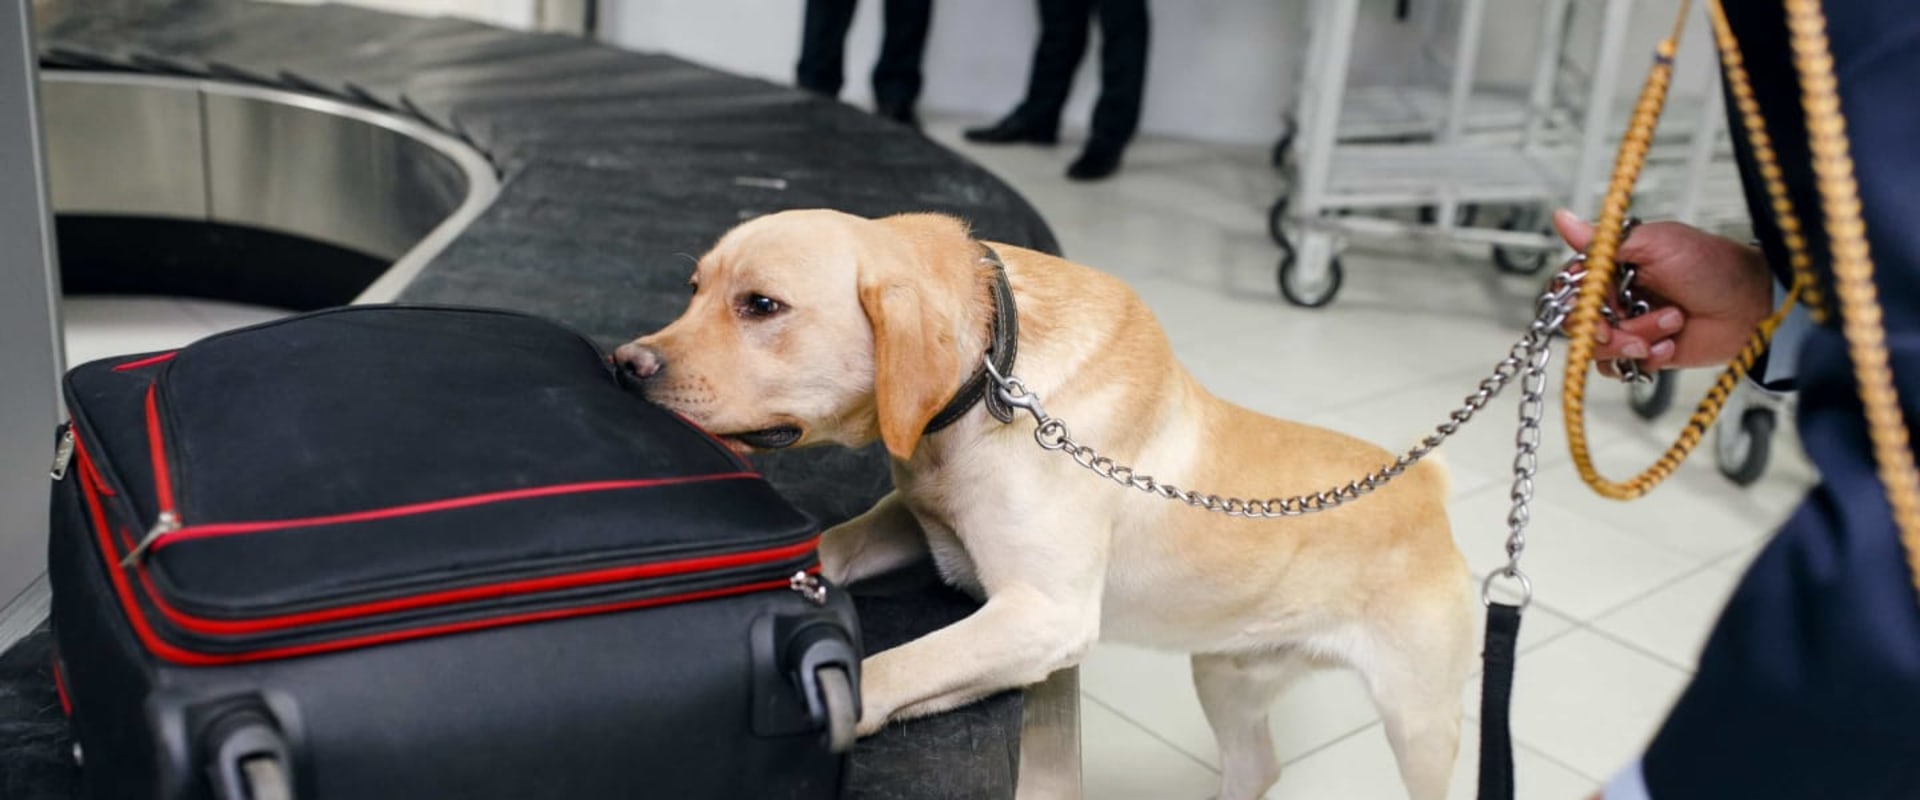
(1527, 360)
(1526, 457)
(1631, 305)
(1526, 356)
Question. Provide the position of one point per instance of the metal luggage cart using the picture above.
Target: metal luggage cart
(1450, 172)
(1481, 150)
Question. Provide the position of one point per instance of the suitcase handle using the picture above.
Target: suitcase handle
(251, 760)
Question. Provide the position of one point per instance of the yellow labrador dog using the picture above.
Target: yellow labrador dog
(816, 327)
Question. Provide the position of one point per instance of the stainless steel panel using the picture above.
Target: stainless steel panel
(329, 177)
(308, 166)
(1050, 739)
(120, 148)
(30, 350)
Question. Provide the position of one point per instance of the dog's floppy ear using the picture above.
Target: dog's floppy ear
(915, 356)
(918, 293)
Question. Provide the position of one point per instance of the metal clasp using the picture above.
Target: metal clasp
(62, 454)
(1015, 394)
(1508, 571)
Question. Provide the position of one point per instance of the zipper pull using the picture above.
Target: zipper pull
(167, 523)
(809, 586)
(62, 453)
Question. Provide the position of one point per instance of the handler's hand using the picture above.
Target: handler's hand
(1708, 293)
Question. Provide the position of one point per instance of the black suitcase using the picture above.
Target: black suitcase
(409, 552)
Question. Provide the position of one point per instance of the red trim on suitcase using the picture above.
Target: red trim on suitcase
(470, 594)
(181, 656)
(215, 529)
(60, 688)
(145, 362)
(144, 631)
(156, 447)
(86, 465)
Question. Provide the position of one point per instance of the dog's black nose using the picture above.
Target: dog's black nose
(640, 361)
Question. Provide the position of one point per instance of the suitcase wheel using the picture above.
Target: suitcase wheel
(843, 715)
(250, 758)
(265, 779)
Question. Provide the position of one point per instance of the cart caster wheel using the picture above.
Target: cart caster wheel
(842, 715)
(1521, 261)
(1742, 451)
(266, 779)
(1305, 295)
(1276, 217)
(1653, 398)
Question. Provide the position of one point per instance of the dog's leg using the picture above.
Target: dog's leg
(1042, 570)
(1236, 692)
(885, 537)
(1021, 636)
(1416, 669)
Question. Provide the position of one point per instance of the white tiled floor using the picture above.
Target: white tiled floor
(1626, 592)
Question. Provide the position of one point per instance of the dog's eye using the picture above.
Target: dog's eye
(760, 305)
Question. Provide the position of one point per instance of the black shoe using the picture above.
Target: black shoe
(1014, 129)
(1096, 162)
(899, 113)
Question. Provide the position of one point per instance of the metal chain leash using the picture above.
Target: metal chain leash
(1526, 441)
(1528, 356)
(1631, 305)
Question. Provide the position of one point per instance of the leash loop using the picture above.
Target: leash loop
(1512, 573)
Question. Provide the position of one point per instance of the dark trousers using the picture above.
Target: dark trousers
(896, 75)
(1064, 25)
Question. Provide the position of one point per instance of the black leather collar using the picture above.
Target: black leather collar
(1001, 348)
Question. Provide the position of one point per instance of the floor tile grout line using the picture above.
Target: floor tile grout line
(1697, 559)
(1323, 747)
(1154, 734)
(1523, 744)
(1675, 581)
(1642, 650)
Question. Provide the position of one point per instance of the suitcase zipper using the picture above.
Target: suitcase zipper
(168, 520)
(62, 453)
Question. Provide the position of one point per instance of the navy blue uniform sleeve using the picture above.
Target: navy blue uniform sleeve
(1809, 685)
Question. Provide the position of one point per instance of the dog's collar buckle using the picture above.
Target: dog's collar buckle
(1001, 350)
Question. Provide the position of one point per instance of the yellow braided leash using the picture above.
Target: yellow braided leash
(1852, 265)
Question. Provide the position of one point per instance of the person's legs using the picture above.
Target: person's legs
(823, 46)
(1123, 81)
(1064, 26)
(896, 75)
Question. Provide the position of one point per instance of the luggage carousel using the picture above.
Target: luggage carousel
(306, 156)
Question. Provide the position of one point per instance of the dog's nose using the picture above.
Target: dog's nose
(640, 361)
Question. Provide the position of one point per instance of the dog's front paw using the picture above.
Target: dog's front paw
(870, 723)
(837, 555)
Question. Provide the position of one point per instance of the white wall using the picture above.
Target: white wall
(1220, 70)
